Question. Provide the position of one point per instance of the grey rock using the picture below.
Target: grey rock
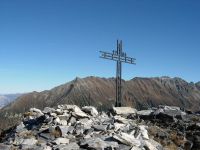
(153, 145)
(127, 139)
(47, 136)
(48, 110)
(37, 112)
(124, 110)
(59, 141)
(48, 119)
(72, 121)
(98, 144)
(145, 112)
(70, 146)
(64, 117)
(91, 110)
(87, 123)
(4, 147)
(59, 111)
(121, 119)
(123, 147)
(76, 111)
(64, 130)
(100, 127)
(144, 132)
(18, 141)
(30, 141)
(20, 127)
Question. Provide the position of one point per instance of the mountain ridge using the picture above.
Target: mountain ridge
(138, 92)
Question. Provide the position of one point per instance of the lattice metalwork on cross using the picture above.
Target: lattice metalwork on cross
(120, 57)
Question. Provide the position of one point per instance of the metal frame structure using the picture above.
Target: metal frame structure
(120, 57)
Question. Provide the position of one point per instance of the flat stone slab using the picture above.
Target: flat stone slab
(91, 110)
(124, 110)
(59, 141)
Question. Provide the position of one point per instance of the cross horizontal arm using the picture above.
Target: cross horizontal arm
(115, 57)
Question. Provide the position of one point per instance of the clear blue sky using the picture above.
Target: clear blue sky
(44, 43)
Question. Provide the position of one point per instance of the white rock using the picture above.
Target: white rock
(144, 132)
(91, 110)
(31, 141)
(53, 115)
(153, 145)
(59, 111)
(63, 130)
(47, 148)
(124, 110)
(59, 141)
(121, 119)
(127, 139)
(57, 120)
(87, 123)
(144, 112)
(63, 122)
(77, 112)
(118, 126)
(20, 127)
(48, 110)
(136, 148)
(38, 111)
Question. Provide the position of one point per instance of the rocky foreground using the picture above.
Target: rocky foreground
(69, 127)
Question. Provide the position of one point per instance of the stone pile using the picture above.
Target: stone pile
(173, 127)
(69, 127)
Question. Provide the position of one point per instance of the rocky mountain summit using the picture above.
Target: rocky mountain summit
(69, 127)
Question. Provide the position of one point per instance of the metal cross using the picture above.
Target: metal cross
(120, 57)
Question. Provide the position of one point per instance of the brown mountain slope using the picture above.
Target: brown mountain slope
(100, 92)
(198, 85)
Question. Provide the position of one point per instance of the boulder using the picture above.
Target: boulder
(37, 112)
(72, 121)
(64, 130)
(48, 110)
(91, 110)
(76, 111)
(87, 123)
(127, 139)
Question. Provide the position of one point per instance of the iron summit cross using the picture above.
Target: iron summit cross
(119, 57)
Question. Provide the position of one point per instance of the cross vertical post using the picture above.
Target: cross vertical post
(119, 57)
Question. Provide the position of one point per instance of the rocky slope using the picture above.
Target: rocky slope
(124, 128)
(100, 92)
